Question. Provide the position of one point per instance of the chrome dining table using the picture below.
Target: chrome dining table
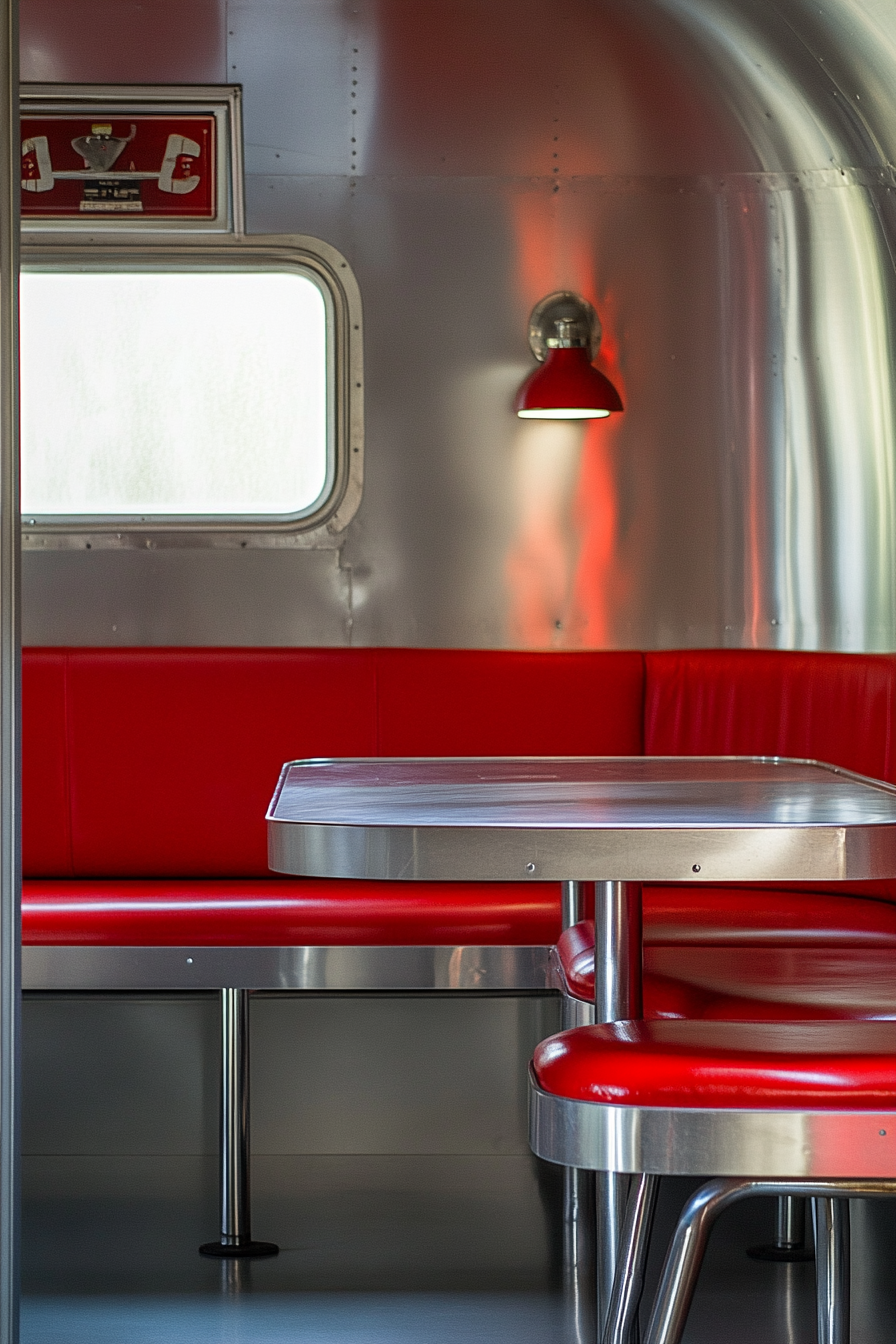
(614, 821)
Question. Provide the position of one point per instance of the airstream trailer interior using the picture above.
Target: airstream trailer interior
(447, 671)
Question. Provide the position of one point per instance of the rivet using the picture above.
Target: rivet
(530, 867)
(882, 1132)
(695, 868)
(189, 961)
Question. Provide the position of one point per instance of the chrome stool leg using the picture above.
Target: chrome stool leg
(830, 1207)
(236, 1235)
(831, 1220)
(628, 1283)
(617, 996)
(683, 1259)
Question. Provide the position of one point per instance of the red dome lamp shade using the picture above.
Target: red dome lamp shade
(564, 334)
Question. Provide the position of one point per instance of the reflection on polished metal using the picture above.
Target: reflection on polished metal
(690, 1142)
(668, 819)
(617, 996)
(236, 1275)
(234, 1156)
(10, 658)
(488, 969)
(682, 1265)
(628, 1281)
(831, 1220)
(790, 1233)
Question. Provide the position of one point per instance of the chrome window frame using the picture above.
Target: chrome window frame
(316, 528)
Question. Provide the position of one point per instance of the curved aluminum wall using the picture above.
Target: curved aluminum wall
(716, 175)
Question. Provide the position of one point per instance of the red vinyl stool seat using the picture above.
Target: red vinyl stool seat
(802, 1066)
(774, 1108)
(741, 953)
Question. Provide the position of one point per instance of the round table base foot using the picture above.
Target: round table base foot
(245, 1250)
(781, 1254)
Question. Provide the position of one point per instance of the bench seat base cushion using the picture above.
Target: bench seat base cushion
(270, 912)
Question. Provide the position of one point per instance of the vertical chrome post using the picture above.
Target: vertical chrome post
(10, 659)
(831, 1222)
(572, 904)
(617, 996)
(578, 1186)
(790, 1222)
(236, 1234)
(617, 951)
(234, 1155)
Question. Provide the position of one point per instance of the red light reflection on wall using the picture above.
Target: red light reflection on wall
(562, 568)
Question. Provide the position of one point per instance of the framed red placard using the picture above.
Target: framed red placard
(157, 166)
(130, 159)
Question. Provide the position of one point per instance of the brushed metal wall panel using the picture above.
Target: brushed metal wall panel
(120, 1075)
(716, 176)
(185, 597)
(386, 1075)
(347, 1074)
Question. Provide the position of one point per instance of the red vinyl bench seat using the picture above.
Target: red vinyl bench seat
(282, 912)
(147, 773)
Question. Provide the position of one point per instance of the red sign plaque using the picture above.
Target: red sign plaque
(155, 166)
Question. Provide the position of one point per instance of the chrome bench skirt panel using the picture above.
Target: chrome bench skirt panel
(488, 969)
(692, 1142)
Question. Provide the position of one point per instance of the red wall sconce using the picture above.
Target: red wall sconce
(564, 335)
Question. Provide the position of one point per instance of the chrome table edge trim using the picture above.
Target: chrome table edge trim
(504, 854)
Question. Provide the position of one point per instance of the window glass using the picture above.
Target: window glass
(178, 394)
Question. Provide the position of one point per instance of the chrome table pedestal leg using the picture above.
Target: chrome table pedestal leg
(617, 996)
(236, 1235)
(831, 1222)
(578, 1186)
(790, 1233)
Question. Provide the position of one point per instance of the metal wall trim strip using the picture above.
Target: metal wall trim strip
(487, 969)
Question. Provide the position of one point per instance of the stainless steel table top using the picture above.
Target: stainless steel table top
(642, 818)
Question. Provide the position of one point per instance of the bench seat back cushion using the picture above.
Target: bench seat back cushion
(155, 763)
(833, 707)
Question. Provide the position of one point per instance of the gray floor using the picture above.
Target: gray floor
(391, 1165)
(391, 1250)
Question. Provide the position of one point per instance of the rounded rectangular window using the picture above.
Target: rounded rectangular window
(167, 395)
